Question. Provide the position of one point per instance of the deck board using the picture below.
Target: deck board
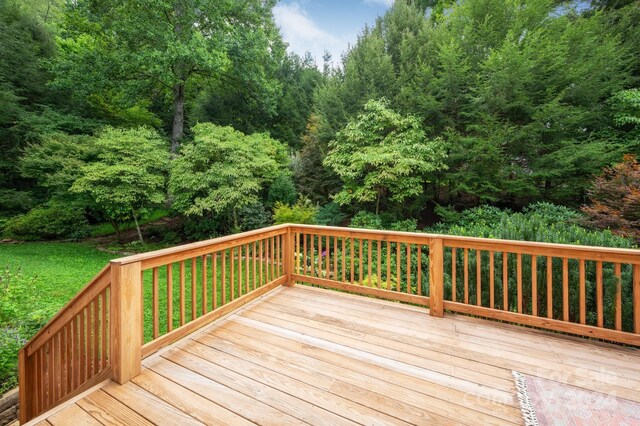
(303, 355)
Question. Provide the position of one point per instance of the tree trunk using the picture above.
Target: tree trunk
(135, 219)
(177, 132)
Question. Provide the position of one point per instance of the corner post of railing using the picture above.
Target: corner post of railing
(126, 321)
(25, 387)
(436, 277)
(288, 255)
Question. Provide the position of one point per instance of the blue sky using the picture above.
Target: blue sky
(319, 25)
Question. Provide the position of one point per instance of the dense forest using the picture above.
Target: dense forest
(111, 111)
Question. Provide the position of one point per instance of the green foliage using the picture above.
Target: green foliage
(302, 212)
(223, 170)
(254, 216)
(282, 190)
(518, 92)
(49, 222)
(129, 176)
(367, 220)
(20, 318)
(626, 106)
(383, 154)
(331, 215)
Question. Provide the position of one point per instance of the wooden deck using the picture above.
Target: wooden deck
(305, 355)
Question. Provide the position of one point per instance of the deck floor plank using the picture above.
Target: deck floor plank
(304, 355)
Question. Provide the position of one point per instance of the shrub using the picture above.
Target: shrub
(365, 219)
(253, 216)
(282, 190)
(302, 212)
(331, 215)
(50, 222)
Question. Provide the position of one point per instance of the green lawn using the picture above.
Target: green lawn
(60, 269)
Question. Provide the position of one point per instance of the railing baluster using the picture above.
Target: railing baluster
(232, 281)
(618, 274)
(454, 280)
(505, 281)
(360, 260)
(214, 279)
(398, 261)
(344, 260)
(304, 255)
(549, 287)
(465, 265)
(335, 258)
(155, 313)
(478, 277)
(379, 266)
(169, 297)
(565, 289)
(583, 291)
(519, 281)
(369, 263)
(636, 298)
(182, 292)
(599, 294)
(193, 287)
(534, 286)
(419, 290)
(247, 281)
(204, 284)
(240, 271)
(319, 255)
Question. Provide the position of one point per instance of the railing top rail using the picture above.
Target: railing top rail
(610, 254)
(173, 254)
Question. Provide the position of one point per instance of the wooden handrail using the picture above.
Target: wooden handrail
(96, 335)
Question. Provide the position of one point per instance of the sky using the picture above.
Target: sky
(319, 25)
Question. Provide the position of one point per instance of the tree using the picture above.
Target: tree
(119, 47)
(129, 175)
(615, 199)
(383, 154)
(223, 170)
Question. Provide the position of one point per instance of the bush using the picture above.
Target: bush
(50, 222)
(331, 215)
(365, 219)
(282, 190)
(201, 228)
(302, 212)
(253, 216)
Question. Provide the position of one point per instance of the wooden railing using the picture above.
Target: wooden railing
(588, 291)
(71, 353)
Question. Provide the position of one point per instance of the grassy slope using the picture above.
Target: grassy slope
(62, 269)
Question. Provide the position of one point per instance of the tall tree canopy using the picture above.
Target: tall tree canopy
(519, 91)
(116, 51)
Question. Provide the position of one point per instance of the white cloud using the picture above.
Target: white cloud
(387, 3)
(303, 34)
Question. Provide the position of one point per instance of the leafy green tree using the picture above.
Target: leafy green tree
(25, 46)
(282, 190)
(223, 170)
(383, 154)
(119, 47)
(626, 105)
(129, 175)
